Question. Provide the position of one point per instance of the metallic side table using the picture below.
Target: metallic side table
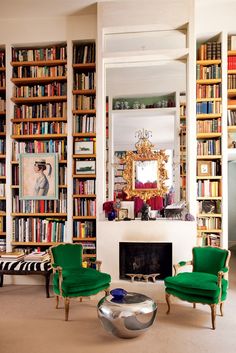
(127, 317)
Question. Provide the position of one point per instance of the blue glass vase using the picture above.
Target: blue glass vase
(111, 215)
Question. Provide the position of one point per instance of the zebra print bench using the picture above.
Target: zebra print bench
(26, 268)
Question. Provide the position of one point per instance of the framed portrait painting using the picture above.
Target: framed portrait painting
(38, 176)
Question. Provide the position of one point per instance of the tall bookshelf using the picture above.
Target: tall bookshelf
(183, 152)
(84, 146)
(39, 125)
(2, 150)
(209, 143)
(231, 92)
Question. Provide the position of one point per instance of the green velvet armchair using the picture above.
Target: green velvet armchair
(206, 284)
(71, 279)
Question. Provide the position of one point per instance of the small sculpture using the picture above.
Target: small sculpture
(145, 212)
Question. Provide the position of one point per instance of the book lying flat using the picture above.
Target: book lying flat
(12, 255)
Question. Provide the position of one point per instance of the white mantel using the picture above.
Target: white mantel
(181, 234)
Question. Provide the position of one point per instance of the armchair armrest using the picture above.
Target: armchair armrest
(90, 263)
(223, 273)
(181, 264)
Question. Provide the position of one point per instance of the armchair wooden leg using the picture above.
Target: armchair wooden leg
(194, 305)
(213, 315)
(67, 306)
(57, 301)
(168, 302)
(221, 309)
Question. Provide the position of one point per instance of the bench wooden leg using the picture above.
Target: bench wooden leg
(1, 279)
(47, 282)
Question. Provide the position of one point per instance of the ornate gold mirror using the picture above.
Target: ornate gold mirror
(145, 171)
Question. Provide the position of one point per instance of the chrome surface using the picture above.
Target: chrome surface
(128, 317)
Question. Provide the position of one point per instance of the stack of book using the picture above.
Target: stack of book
(37, 256)
(12, 256)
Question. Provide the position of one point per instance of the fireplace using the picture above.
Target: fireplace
(137, 259)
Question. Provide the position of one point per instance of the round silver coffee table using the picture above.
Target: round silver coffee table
(127, 317)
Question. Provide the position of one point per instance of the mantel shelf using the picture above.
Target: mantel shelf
(141, 112)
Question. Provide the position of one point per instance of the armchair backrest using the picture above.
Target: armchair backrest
(67, 255)
(209, 259)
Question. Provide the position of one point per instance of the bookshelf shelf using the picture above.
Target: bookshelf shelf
(209, 62)
(39, 137)
(84, 239)
(209, 135)
(41, 214)
(209, 81)
(28, 80)
(39, 63)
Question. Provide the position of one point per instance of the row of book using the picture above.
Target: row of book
(231, 62)
(42, 110)
(2, 190)
(86, 229)
(232, 81)
(2, 223)
(40, 54)
(2, 80)
(211, 240)
(40, 206)
(210, 107)
(39, 71)
(84, 124)
(208, 188)
(48, 90)
(208, 147)
(36, 146)
(208, 91)
(2, 169)
(84, 207)
(213, 125)
(85, 81)
(208, 72)
(2, 58)
(38, 230)
(39, 128)
(84, 187)
(82, 102)
(231, 117)
(2, 105)
(209, 51)
(2, 146)
(84, 53)
(209, 223)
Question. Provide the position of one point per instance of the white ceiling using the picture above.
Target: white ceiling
(45, 8)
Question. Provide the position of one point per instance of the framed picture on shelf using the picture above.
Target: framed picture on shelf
(84, 147)
(204, 168)
(129, 205)
(122, 213)
(209, 206)
(38, 176)
(85, 167)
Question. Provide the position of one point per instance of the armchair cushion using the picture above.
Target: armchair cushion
(196, 287)
(81, 282)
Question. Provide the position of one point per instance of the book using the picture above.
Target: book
(37, 256)
(12, 256)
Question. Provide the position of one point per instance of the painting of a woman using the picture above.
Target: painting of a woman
(38, 176)
(42, 183)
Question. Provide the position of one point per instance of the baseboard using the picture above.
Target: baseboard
(232, 243)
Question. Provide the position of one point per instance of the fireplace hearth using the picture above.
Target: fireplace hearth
(141, 261)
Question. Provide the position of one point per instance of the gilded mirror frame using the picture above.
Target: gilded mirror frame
(144, 153)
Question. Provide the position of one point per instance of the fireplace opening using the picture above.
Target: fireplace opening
(145, 261)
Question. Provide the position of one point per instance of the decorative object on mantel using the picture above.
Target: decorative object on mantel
(140, 276)
(175, 210)
(145, 171)
(108, 207)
